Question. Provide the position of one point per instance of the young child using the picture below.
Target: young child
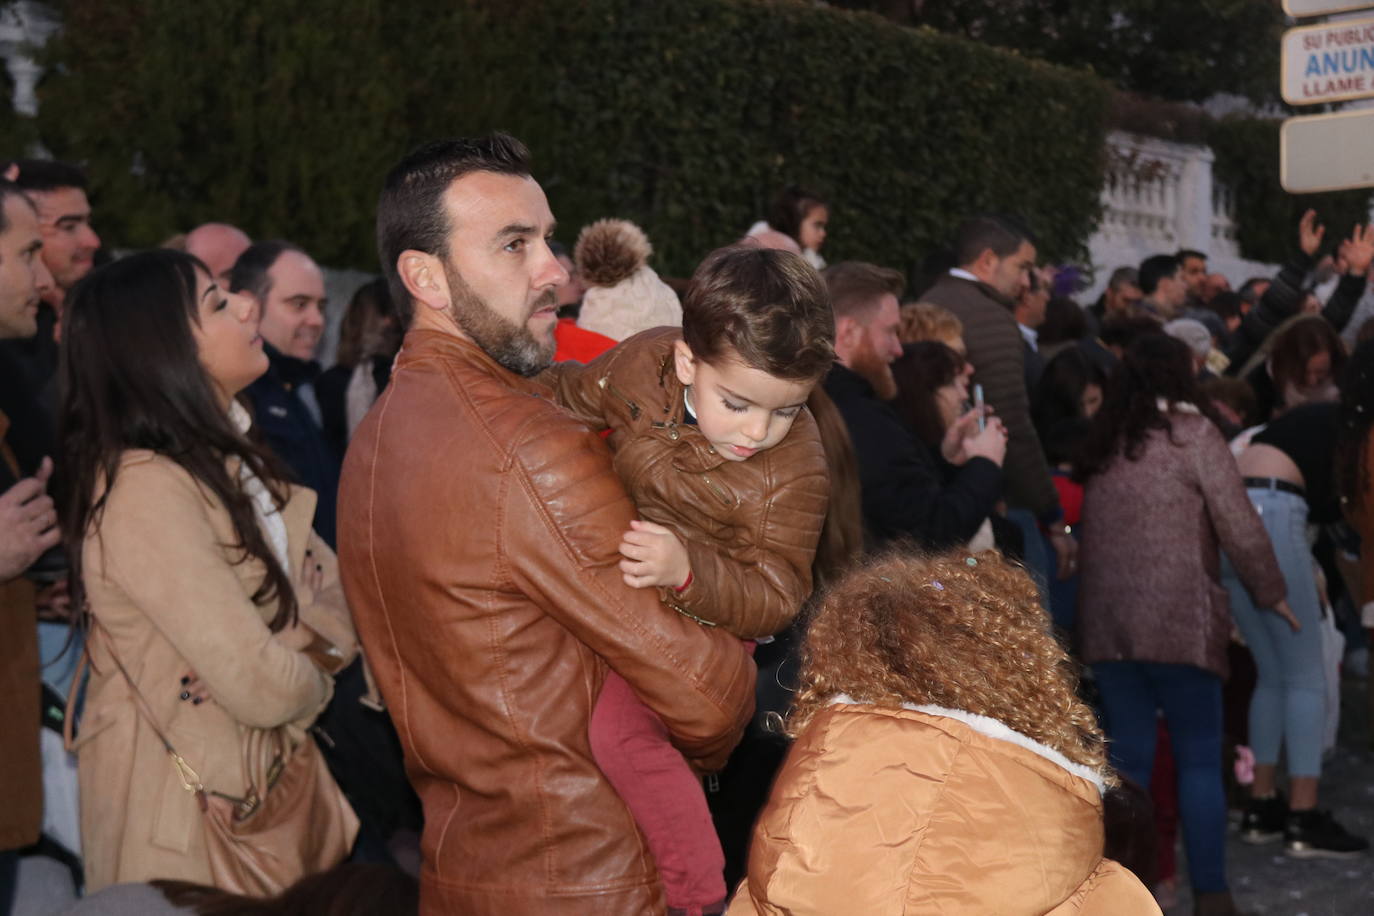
(943, 763)
(715, 446)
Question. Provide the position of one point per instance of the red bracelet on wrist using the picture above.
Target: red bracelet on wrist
(683, 586)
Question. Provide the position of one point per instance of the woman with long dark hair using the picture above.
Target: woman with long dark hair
(953, 470)
(214, 612)
(1161, 495)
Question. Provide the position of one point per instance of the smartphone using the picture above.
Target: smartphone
(978, 405)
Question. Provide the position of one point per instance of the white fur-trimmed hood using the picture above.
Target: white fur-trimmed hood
(993, 728)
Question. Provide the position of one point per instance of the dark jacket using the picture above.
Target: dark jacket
(997, 352)
(21, 769)
(293, 434)
(750, 527)
(478, 545)
(331, 391)
(905, 492)
(1282, 300)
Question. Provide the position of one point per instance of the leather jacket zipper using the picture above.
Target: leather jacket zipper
(633, 407)
(717, 489)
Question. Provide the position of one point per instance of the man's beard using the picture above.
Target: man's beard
(510, 344)
(874, 369)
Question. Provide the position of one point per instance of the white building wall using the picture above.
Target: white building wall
(1160, 196)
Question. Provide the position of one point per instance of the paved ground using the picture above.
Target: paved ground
(1265, 881)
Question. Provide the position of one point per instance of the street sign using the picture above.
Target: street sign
(1327, 152)
(1298, 8)
(1331, 62)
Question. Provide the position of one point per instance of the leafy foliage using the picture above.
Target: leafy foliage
(1247, 161)
(685, 117)
(1185, 50)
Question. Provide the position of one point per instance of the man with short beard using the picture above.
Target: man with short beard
(479, 527)
(903, 493)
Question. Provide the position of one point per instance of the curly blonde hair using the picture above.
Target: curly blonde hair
(947, 630)
(926, 321)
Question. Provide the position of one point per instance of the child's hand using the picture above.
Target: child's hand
(653, 556)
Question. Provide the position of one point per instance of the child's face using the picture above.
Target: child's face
(812, 232)
(740, 410)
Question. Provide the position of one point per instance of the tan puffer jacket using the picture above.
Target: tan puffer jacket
(886, 811)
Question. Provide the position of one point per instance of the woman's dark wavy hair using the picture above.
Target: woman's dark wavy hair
(1298, 342)
(1356, 421)
(1155, 366)
(130, 378)
(1059, 394)
(789, 210)
(923, 369)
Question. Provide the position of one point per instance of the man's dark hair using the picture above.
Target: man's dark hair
(1002, 234)
(1156, 268)
(251, 272)
(1248, 290)
(1186, 253)
(410, 210)
(48, 175)
(1122, 330)
(855, 287)
(769, 307)
(1123, 276)
(9, 189)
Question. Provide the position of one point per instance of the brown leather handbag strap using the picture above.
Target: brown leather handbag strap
(190, 779)
(69, 717)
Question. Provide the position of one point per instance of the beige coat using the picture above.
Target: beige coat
(886, 811)
(166, 592)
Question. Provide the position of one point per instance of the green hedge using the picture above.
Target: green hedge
(1266, 217)
(683, 116)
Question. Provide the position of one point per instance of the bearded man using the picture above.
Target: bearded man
(904, 494)
(478, 535)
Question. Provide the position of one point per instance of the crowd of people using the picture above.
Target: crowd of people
(570, 587)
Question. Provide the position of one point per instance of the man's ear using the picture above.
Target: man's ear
(424, 278)
(985, 265)
(684, 363)
(848, 332)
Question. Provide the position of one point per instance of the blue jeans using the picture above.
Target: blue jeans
(1191, 701)
(1289, 705)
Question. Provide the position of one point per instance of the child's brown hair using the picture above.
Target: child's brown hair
(769, 307)
(947, 630)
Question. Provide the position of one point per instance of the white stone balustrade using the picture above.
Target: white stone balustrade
(1158, 197)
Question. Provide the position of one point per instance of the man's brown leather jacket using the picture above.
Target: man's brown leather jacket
(478, 533)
